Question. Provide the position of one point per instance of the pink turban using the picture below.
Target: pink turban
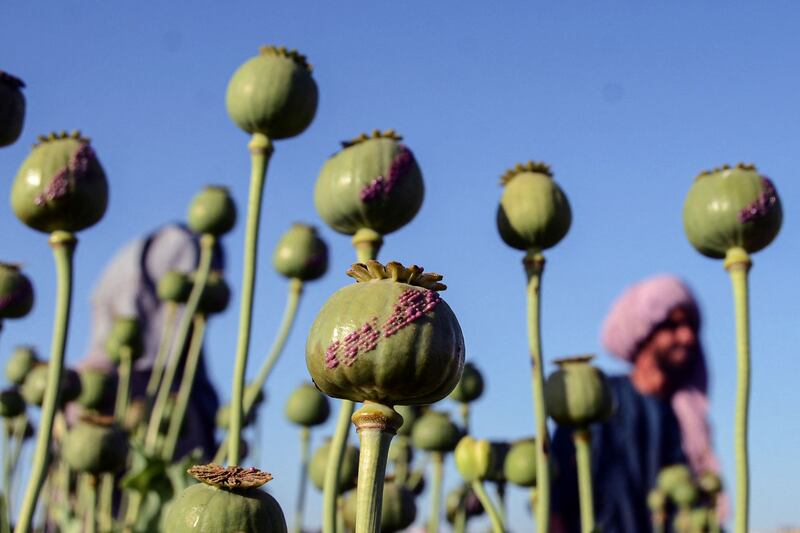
(631, 320)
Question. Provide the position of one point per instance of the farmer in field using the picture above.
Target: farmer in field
(662, 409)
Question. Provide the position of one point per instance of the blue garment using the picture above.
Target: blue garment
(628, 451)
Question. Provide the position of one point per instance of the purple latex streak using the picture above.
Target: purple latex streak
(381, 187)
(761, 206)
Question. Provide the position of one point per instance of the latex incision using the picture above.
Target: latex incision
(59, 186)
(382, 186)
(761, 206)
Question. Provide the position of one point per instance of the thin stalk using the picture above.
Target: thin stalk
(7, 444)
(583, 457)
(91, 504)
(401, 464)
(463, 407)
(460, 521)
(376, 424)
(658, 521)
(491, 510)
(501, 500)
(124, 387)
(184, 392)
(63, 245)
(737, 263)
(260, 151)
(534, 267)
(340, 525)
(437, 458)
(106, 503)
(170, 314)
(713, 518)
(305, 436)
(20, 425)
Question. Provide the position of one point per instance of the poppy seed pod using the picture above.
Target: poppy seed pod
(462, 497)
(519, 466)
(710, 483)
(474, 458)
(95, 445)
(731, 207)
(61, 185)
(388, 339)
(174, 286)
(684, 494)
(216, 294)
(20, 363)
(307, 406)
(373, 183)
(435, 432)
(226, 499)
(16, 292)
(656, 500)
(534, 213)
(97, 388)
(578, 394)
(11, 403)
(398, 508)
(126, 334)
(212, 211)
(671, 476)
(32, 389)
(273, 94)
(348, 471)
(470, 386)
(301, 254)
(12, 108)
(410, 414)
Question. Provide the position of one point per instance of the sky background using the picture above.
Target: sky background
(626, 100)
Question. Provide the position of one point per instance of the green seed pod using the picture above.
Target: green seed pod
(136, 415)
(212, 211)
(435, 432)
(373, 183)
(519, 466)
(410, 414)
(534, 213)
(95, 445)
(671, 476)
(348, 471)
(398, 508)
(12, 108)
(731, 207)
(462, 496)
(401, 450)
(301, 254)
(16, 292)
(32, 389)
(273, 94)
(125, 334)
(307, 406)
(710, 483)
(223, 417)
(174, 286)
(11, 403)
(216, 295)
(699, 520)
(656, 500)
(60, 186)
(20, 363)
(388, 339)
(470, 386)
(97, 388)
(474, 458)
(227, 500)
(684, 494)
(578, 394)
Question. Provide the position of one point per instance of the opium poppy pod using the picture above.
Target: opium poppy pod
(519, 466)
(348, 473)
(212, 211)
(174, 286)
(61, 185)
(470, 386)
(307, 406)
(398, 508)
(388, 339)
(126, 334)
(12, 108)
(731, 207)
(435, 432)
(21, 361)
(273, 94)
(11, 403)
(301, 254)
(534, 213)
(16, 292)
(95, 445)
(373, 183)
(578, 394)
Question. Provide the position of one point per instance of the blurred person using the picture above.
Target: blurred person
(661, 413)
(127, 287)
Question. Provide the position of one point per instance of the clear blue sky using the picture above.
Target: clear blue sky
(627, 101)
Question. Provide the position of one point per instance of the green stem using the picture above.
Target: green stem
(437, 458)
(63, 245)
(376, 424)
(534, 267)
(464, 408)
(106, 516)
(20, 425)
(7, 445)
(170, 313)
(401, 464)
(491, 510)
(737, 263)
(260, 150)
(340, 525)
(501, 500)
(305, 436)
(583, 457)
(91, 504)
(181, 335)
(124, 387)
(460, 521)
(658, 522)
(713, 518)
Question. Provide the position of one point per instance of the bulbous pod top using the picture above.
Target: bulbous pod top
(656, 500)
(212, 211)
(731, 207)
(398, 508)
(12, 108)
(95, 445)
(227, 499)
(373, 183)
(21, 361)
(684, 494)
(97, 388)
(348, 472)
(578, 394)
(301, 254)
(61, 185)
(307, 406)
(273, 94)
(174, 286)
(470, 386)
(16, 292)
(33, 388)
(410, 414)
(534, 213)
(671, 476)
(435, 432)
(710, 483)
(474, 458)
(462, 496)
(11, 403)
(216, 294)
(125, 334)
(388, 339)
(519, 466)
